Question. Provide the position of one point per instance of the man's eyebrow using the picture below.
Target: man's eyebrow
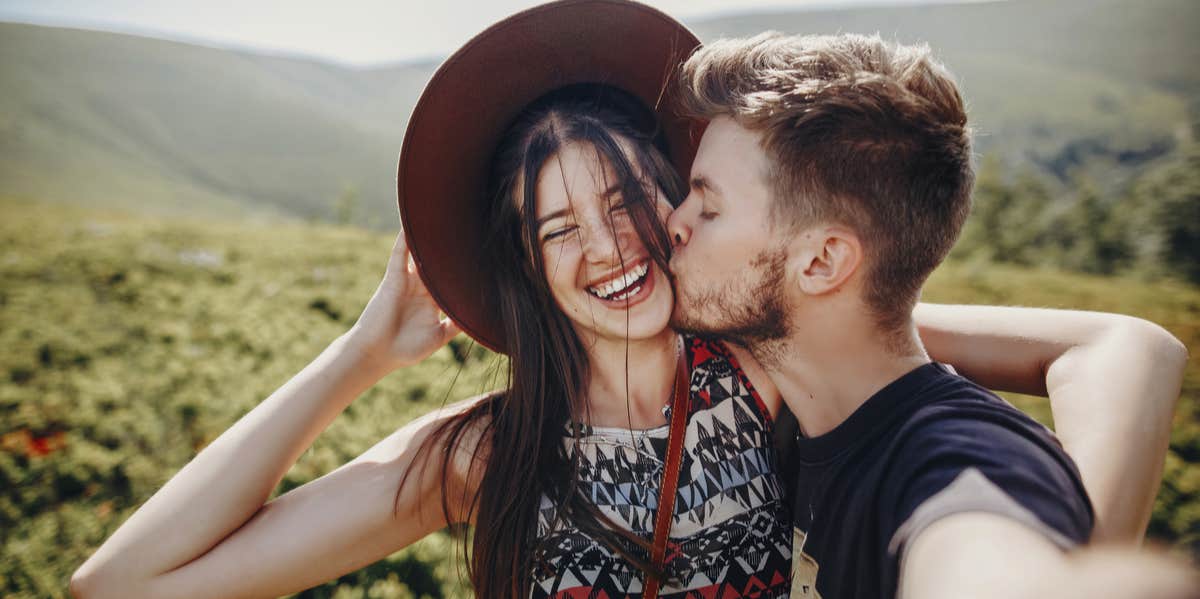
(702, 182)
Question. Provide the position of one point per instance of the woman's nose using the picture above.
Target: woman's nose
(600, 244)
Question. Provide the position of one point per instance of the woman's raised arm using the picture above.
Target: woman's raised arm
(208, 532)
(1113, 382)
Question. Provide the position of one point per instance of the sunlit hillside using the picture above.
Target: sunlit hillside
(1069, 88)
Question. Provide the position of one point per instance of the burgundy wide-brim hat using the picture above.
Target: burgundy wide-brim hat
(479, 91)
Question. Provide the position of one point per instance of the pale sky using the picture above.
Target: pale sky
(356, 32)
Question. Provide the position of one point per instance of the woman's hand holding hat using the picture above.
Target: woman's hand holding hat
(400, 325)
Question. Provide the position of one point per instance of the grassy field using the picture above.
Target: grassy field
(127, 344)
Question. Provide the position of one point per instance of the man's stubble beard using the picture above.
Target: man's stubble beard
(750, 311)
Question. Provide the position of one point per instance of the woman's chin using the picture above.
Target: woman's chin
(649, 321)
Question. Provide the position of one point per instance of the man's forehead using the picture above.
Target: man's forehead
(725, 139)
(729, 154)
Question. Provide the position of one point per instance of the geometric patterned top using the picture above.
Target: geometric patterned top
(732, 531)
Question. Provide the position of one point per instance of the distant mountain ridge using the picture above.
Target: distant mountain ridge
(1101, 87)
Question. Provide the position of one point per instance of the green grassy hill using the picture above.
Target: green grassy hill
(1148, 41)
(1068, 87)
(127, 343)
(166, 127)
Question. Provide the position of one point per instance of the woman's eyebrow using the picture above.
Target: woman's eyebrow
(553, 215)
(611, 191)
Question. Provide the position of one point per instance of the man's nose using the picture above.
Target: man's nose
(679, 224)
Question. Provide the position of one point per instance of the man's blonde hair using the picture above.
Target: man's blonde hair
(858, 131)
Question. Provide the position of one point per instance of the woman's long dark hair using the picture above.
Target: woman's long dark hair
(522, 447)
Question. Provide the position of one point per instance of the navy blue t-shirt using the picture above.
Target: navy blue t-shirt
(928, 445)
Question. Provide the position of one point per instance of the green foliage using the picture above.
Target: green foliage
(128, 344)
(1087, 236)
(1163, 212)
(1003, 226)
(1152, 231)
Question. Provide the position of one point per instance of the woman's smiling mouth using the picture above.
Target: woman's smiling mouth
(624, 286)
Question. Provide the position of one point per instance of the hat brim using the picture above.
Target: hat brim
(474, 96)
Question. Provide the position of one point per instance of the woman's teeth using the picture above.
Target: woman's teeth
(619, 284)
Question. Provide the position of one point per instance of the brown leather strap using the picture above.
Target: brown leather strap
(670, 480)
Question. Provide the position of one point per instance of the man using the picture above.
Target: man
(839, 169)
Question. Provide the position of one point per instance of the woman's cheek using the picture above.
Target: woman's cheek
(630, 241)
(561, 263)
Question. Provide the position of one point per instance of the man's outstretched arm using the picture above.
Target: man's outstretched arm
(1113, 382)
(984, 555)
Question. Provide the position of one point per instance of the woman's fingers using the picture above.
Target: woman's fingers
(402, 267)
(449, 330)
(399, 257)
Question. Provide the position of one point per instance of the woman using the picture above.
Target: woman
(558, 471)
(581, 260)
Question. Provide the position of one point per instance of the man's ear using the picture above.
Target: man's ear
(824, 258)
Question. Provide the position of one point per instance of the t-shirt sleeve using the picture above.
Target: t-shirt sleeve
(1008, 468)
